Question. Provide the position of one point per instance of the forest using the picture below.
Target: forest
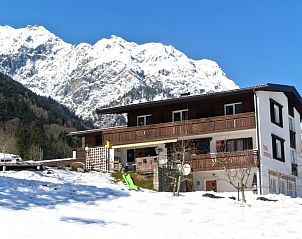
(34, 126)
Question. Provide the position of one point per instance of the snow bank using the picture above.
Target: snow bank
(67, 204)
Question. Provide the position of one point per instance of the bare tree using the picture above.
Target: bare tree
(180, 153)
(3, 148)
(238, 169)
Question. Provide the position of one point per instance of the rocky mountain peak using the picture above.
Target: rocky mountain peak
(111, 72)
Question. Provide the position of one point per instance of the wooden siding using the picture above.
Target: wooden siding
(197, 109)
(217, 161)
(172, 130)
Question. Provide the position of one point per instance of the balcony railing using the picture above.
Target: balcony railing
(164, 131)
(225, 160)
(204, 162)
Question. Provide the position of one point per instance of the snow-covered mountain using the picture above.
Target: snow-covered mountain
(110, 72)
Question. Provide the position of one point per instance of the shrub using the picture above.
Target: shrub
(266, 199)
(77, 166)
(210, 195)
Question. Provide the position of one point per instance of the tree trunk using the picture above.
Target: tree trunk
(181, 168)
(174, 186)
(178, 184)
(242, 193)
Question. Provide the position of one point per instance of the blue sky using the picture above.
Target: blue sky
(253, 41)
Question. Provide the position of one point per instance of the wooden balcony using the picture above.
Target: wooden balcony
(220, 161)
(172, 130)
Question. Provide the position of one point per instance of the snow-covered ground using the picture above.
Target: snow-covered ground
(66, 204)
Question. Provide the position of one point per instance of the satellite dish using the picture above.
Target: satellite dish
(186, 169)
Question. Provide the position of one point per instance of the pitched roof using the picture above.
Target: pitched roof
(290, 92)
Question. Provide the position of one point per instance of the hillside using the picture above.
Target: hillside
(64, 204)
(111, 72)
(30, 123)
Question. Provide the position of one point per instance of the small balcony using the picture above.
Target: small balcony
(172, 130)
(220, 161)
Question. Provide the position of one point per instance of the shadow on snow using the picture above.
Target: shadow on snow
(21, 194)
(88, 221)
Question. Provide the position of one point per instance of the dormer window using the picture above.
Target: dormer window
(144, 120)
(276, 113)
(180, 115)
(234, 108)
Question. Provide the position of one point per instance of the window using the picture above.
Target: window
(201, 146)
(231, 109)
(292, 139)
(291, 124)
(144, 120)
(292, 134)
(291, 110)
(145, 152)
(232, 145)
(290, 189)
(98, 140)
(273, 186)
(283, 187)
(278, 148)
(180, 115)
(276, 113)
(293, 159)
(293, 156)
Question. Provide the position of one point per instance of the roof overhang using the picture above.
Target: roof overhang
(138, 145)
(290, 91)
(85, 132)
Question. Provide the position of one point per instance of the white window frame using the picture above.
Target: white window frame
(234, 107)
(142, 116)
(181, 114)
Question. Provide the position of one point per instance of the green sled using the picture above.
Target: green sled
(127, 178)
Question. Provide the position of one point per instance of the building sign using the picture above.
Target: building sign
(266, 151)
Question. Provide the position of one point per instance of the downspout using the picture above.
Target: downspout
(258, 140)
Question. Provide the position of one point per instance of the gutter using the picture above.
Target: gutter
(258, 139)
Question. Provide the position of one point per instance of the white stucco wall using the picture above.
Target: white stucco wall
(299, 152)
(200, 178)
(266, 129)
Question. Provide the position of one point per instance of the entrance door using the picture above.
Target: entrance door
(211, 185)
(130, 156)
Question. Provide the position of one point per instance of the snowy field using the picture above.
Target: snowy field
(64, 204)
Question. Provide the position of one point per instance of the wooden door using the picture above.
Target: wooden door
(211, 185)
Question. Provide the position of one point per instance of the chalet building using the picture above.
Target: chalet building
(255, 124)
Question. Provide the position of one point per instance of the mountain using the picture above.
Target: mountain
(30, 123)
(111, 72)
